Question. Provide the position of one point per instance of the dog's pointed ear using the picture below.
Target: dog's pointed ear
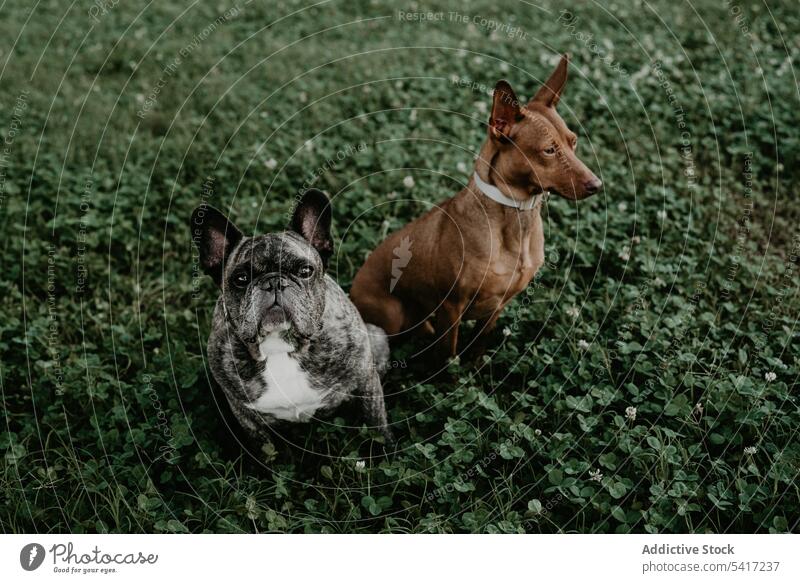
(550, 92)
(312, 220)
(215, 237)
(505, 110)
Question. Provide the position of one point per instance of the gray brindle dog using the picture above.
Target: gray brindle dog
(286, 343)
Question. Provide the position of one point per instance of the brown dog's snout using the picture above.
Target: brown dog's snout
(592, 185)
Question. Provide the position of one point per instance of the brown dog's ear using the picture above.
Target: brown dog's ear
(215, 237)
(312, 220)
(550, 92)
(505, 110)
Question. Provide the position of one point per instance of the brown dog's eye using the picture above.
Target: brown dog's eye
(574, 143)
(551, 151)
(305, 272)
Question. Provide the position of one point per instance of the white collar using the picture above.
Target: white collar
(494, 193)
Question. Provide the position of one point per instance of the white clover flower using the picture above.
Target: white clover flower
(636, 239)
(661, 215)
(272, 163)
(770, 376)
(658, 282)
(537, 432)
(477, 60)
(698, 408)
(481, 105)
(461, 167)
(596, 475)
(630, 413)
(574, 312)
(622, 207)
(583, 345)
(309, 145)
(751, 450)
(506, 331)
(504, 67)
(413, 115)
(303, 97)
(408, 182)
(361, 464)
(625, 254)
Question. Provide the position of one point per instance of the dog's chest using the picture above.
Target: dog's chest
(504, 271)
(288, 394)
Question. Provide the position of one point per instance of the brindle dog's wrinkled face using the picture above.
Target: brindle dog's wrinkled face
(274, 282)
(269, 283)
(536, 148)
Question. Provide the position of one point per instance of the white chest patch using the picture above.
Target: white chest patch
(288, 395)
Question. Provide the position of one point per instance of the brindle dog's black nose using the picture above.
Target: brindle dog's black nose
(274, 283)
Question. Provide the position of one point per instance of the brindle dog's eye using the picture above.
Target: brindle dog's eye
(306, 271)
(241, 279)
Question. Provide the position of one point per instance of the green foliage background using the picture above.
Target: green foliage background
(684, 270)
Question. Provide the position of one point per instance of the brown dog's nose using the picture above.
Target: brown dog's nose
(593, 185)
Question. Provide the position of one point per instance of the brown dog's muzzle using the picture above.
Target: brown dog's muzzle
(578, 189)
(578, 181)
(592, 186)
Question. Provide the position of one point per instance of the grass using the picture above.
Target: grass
(674, 292)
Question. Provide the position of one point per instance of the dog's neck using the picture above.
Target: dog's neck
(274, 344)
(499, 197)
(507, 193)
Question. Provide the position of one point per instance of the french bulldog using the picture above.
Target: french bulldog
(286, 343)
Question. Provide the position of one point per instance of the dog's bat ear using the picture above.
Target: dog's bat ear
(215, 237)
(550, 92)
(312, 220)
(505, 110)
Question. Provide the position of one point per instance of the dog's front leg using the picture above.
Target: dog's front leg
(446, 323)
(481, 336)
(375, 407)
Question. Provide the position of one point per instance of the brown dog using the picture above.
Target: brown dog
(466, 258)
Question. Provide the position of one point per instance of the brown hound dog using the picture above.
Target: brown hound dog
(471, 254)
